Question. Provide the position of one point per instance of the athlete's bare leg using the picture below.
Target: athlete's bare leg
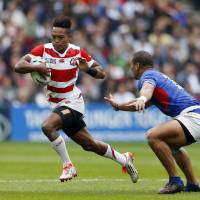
(87, 142)
(51, 125)
(83, 138)
(185, 164)
(162, 139)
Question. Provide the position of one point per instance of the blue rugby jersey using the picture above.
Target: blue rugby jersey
(168, 96)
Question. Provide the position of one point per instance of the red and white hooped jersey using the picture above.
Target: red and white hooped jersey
(62, 90)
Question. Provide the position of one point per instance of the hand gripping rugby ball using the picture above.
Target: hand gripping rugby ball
(37, 77)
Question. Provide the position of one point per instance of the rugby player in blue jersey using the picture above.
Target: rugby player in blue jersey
(166, 139)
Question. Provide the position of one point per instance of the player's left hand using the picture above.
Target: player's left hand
(111, 100)
(139, 105)
(82, 64)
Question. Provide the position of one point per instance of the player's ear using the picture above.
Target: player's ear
(137, 66)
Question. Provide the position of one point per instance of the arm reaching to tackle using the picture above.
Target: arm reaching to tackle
(138, 104)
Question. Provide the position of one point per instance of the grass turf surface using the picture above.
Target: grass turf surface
(29, 171)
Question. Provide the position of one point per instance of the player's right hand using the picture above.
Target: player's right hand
(82, 64)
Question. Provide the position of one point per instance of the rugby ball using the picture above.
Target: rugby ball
(37, 77)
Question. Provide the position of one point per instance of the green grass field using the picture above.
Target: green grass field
(30, 170)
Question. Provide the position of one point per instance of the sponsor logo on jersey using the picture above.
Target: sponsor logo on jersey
(50, 60)
(61, 60)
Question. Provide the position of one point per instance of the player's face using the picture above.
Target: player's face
(135, 70)
(60, 39)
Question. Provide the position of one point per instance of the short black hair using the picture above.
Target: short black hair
(144, 59)
(62, 21)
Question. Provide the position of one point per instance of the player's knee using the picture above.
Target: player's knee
(151, 137)
(47, 128)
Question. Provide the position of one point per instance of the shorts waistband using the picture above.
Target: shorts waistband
(196, 110)
(189, 109)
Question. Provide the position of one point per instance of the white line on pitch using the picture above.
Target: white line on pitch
(76, 180)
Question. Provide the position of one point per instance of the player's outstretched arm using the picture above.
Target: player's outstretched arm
(124, 106)
(138, 104)
(24, 66)
(117, 106)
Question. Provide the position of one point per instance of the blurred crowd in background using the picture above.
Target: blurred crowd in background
(111, 31)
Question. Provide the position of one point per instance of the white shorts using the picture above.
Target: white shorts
(191, 120)
(76, 103)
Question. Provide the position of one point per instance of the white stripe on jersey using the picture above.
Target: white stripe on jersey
(58, 65)
(62, 84)
(67, 95)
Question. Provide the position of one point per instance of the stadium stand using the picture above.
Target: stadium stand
(112, 31)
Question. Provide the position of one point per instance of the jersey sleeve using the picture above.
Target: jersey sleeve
(38, 50)
(87, 57)
(149, 77)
